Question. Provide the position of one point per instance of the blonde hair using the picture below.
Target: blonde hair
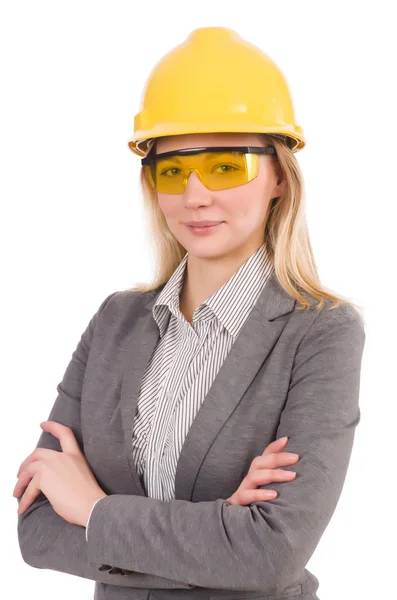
(286, 237)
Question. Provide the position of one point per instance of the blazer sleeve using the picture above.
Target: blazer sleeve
(45, 539)
(88, 521)
(265, 546)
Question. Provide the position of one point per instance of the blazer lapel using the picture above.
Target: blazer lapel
(251, 348)
(140, 343)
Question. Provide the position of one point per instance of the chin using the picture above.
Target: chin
(208, 250)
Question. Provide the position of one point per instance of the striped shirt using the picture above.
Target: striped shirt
(183, 366)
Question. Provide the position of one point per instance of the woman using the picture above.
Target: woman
(176, 407)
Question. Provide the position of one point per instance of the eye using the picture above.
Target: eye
(167, 174)
(228, 169)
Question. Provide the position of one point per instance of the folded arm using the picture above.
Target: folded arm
(45, 539)
(266, 545)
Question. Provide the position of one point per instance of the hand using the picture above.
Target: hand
(64, 477)
(263, 471)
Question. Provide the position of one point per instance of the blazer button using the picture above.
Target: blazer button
(104, 567)
(115, 570)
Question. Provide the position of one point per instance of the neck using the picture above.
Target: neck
(205, 276)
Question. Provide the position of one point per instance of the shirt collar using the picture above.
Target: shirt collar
(230, 304)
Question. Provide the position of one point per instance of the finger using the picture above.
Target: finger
(25, 477)
(271, 461)
(265, 476)
(37, 454)
(65, 435)
(31, 493)
(257, 477)
(24, 464)
(246, 497)
(276, 445)
(22, 484)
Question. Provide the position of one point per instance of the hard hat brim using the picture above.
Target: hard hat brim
(143, 141)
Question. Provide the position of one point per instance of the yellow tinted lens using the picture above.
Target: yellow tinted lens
(217, 171)
(222, 170)
(168, 174)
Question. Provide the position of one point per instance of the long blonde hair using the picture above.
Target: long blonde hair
(286, 237)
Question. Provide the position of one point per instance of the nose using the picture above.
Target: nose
(194, 183)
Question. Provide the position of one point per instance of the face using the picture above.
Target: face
(242, 209)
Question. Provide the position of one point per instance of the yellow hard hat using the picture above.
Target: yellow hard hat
(215, 81)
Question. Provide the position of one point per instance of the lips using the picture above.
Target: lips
(205, 228)
(202, 223)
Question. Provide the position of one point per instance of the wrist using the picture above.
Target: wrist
(90, 507)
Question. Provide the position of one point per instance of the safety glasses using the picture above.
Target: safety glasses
(218, 168)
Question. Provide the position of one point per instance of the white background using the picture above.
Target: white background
(72, 74)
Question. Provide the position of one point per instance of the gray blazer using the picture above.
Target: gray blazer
(290, 373)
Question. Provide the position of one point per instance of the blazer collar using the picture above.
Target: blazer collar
(246, 284)
(273, 301)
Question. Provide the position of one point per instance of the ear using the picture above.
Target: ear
(280, 188)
